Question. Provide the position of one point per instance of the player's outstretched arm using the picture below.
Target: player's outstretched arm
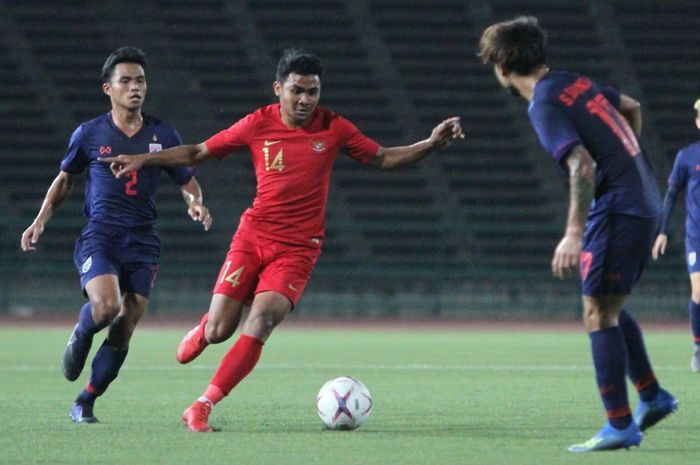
(57, 193)
(632, 111)
(181, 155)
(443, 134)
(192, 193)
(582, 169)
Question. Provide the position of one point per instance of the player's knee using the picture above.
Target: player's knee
(261, 323)
(104, 311)
(216, 332)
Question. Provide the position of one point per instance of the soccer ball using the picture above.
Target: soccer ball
(343, 403)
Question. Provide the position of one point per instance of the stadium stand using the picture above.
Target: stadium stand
(470, 229)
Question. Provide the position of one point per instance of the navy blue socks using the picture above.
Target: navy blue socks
(638, 364)
(609, 360)
(105, 368)
(694, 314)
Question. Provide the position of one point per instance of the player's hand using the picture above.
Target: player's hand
(566, 256)
(30, 236)
(444, 133)
(122, 164)
(659, 247)
(199, 212)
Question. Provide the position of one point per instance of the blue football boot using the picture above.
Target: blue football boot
(650, 413)
(82, 413)
(610, 438)
(75, 355)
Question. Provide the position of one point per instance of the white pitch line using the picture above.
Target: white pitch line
(408, 367)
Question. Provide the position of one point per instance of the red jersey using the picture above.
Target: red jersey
(293, 169)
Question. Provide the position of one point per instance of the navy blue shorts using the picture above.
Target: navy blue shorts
(692, 247)
(616, 248)
(129, 253)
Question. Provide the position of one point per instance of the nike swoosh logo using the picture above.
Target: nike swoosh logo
(292, 288)
(268, 143)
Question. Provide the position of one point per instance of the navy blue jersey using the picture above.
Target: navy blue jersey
(567, 110)
(130, 200)
(686, 175)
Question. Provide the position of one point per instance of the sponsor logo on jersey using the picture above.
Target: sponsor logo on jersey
(155, 147)
(106, 150)
(87, 264)
(318, 145)
(268, 143)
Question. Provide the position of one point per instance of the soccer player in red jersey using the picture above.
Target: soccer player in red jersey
(293, 145)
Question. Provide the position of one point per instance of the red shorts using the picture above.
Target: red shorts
(254, 264)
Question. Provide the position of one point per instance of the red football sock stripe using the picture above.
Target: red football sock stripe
(91, 390)
(619, 412)
(645, 382)
(236, 364)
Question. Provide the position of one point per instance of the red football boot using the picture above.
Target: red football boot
(193, 343)
(196, 417)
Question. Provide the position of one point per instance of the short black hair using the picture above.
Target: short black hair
(299, 61)
(518, 45)
(126, 54)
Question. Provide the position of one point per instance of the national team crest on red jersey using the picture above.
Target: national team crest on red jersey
(318, 145)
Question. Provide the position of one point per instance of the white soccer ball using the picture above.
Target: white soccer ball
(343, 403)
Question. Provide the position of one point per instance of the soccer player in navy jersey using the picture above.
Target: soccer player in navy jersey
(686, 175)
(293, 145)
(613, 216)
(117, 252)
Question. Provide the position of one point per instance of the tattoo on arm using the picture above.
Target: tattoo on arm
(582, 169)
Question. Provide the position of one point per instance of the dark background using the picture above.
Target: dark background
(467, 233)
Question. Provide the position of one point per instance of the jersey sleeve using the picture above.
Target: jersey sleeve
(679, 173)
(75, 160)
(555, 130)
(357, 145)
(179, 174)
(234, 138)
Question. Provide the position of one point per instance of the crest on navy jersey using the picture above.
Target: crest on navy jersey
(155, 147)
(318, 145)
(87, 264)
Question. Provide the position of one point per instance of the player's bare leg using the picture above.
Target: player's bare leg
(217, 325)
(267, 311)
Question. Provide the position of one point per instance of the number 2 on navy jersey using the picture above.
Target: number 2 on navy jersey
(131, 183)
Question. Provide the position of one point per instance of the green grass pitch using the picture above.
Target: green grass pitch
(460, 396)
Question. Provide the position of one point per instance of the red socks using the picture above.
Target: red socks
(238, 362)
